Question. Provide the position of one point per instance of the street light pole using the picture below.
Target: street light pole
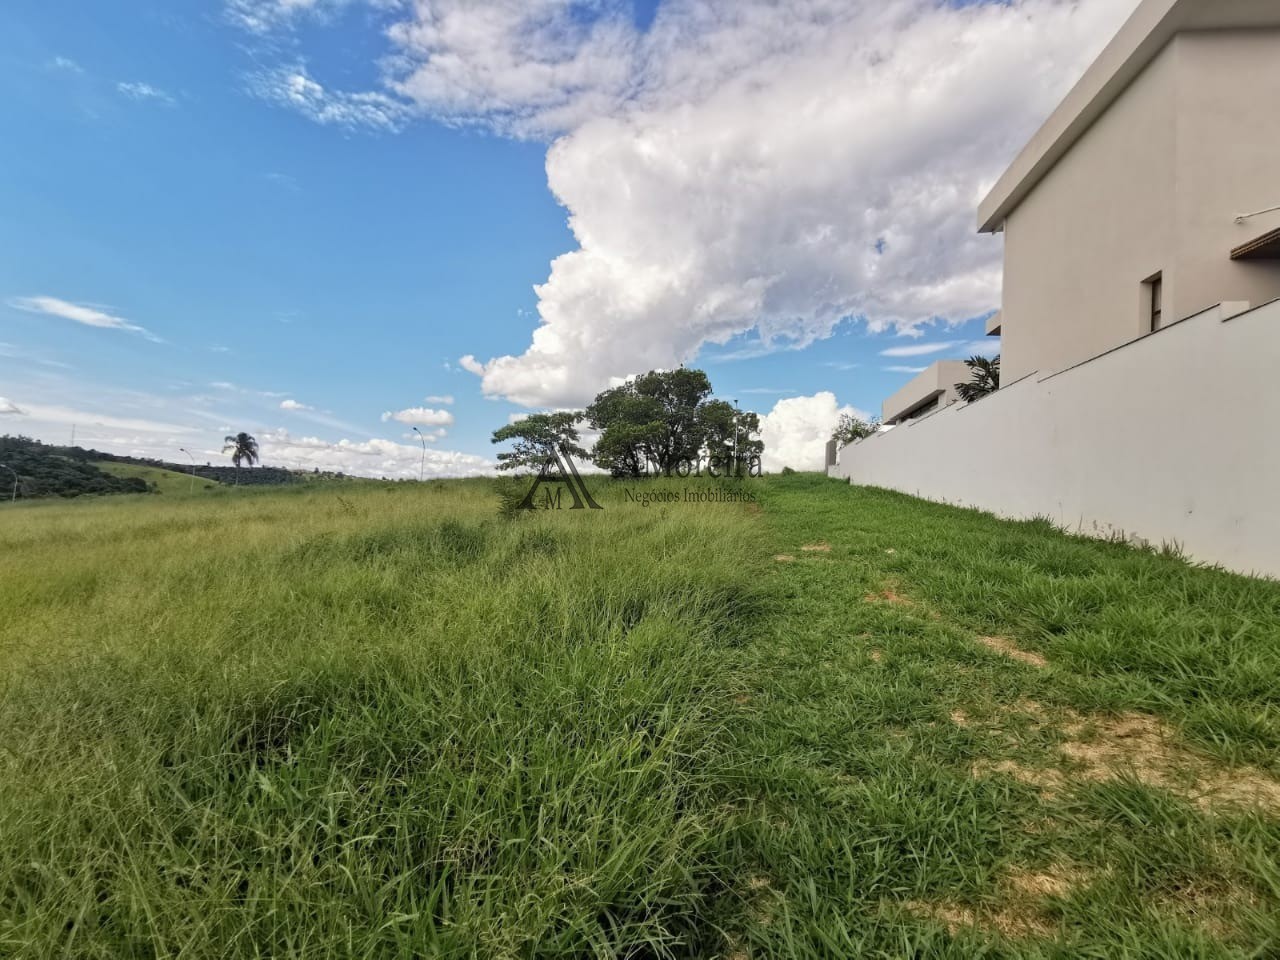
(422, 466)
(14, 498)
(735, 438)
(193, 468)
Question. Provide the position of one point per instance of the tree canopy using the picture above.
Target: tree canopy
(664, 422)
(537, 436)
(851, 429)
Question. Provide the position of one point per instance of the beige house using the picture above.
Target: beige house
(1151, 193)
(928, 392)
(1140, 321)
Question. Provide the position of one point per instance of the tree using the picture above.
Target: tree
(659, 419)
(727, 433)
(242, 447)
(984, 378)
(537, 436)
(851, 429)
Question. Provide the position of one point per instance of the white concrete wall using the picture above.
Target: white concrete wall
(1173, 437)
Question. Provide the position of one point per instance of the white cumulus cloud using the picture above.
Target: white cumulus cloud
(420, 416)
(795, 432)
(294, 406)
(375, 457)
(741, 170)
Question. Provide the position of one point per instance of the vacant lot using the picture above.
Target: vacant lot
(385, 721)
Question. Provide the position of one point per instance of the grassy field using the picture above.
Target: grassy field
(385, 721)
(164, 481)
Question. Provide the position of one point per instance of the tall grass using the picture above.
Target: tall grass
(374, 722)
(397, 721)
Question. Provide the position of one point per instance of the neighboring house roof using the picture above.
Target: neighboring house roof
(1139, 41)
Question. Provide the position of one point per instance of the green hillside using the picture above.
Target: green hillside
(162, 481)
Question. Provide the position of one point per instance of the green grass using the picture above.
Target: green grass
(165, 481)
(385, 721)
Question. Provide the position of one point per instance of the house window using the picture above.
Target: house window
(1155, 302)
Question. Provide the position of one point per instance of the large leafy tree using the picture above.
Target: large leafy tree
(664, 418)
(243, 449)
(984, 378)
(536, 437)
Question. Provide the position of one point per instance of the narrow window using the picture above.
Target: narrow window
(1155, 297)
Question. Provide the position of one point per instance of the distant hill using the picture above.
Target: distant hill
(249, 476)
(161, 480)
(47, 471)
(52, 470)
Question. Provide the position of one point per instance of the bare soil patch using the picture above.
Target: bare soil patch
(1008, 648)
(820, 547)
(1100, 748)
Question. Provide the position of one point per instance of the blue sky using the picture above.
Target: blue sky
(188, 250)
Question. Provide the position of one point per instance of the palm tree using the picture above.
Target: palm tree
(984, 378)
(241, 447)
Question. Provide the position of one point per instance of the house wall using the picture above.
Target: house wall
(1113, 446)
(1100, 222)
(1153, 186)
(1228, 164)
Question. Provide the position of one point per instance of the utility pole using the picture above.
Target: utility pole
(423, 465)
(14, 498)
(193, 468)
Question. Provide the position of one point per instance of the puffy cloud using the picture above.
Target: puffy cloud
(774, 170)
(472, 365)
(368, 458)
(795, 432)
(9, 408)
(294, 406)
(420, 416)
(79, 313)
(741, 170)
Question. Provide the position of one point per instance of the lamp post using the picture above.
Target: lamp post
(193, 468)
(735, 438)
(423, 465)
(14, 498)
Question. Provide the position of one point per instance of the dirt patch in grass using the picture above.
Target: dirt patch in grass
(1006, 922)
(1099, 748)
(1005, 646)
(877, 656)
(820, 547)
(784, 558)
(888, 594)
(1021, 908)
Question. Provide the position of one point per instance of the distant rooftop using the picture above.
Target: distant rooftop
(1139, 41)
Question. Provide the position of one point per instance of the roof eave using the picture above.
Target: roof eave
(1138, 42)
